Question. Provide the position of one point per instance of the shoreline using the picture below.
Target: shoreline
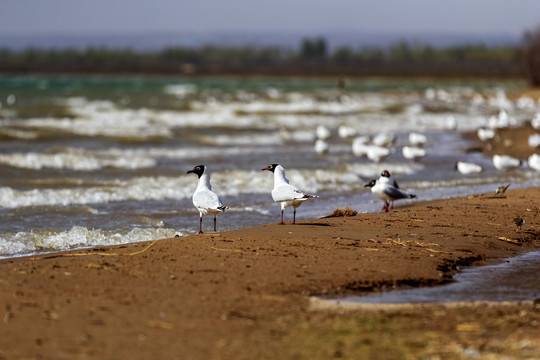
(229, 294)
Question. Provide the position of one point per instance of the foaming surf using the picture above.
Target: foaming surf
(33, 242)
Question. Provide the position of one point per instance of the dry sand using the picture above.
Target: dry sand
(244, 294)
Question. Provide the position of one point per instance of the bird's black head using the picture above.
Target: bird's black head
(385, 173)
(199, 170)
(271, 167)
(371, 183)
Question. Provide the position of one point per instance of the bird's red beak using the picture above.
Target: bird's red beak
(266, 168)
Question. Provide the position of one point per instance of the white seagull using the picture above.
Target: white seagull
(386, 178)
(413, 152)
(204, 199)
(505, 162)
(387, 193)
(534, 162)
(417, 139)
(467, 168)
(284, 193)
(321, 147)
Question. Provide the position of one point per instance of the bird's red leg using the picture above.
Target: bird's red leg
(294, 216)
(281, 223)
(200, 225)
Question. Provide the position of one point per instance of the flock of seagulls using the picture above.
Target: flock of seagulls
(376, 149)
(208, 202)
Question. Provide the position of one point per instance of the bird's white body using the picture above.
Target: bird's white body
(534, 140)
(346, 131)
(505, 162)
(535, 122)
(384, 139)
(417, 139)
(284, 193)
(467, 168)
(534, 162)
(377, 153)
(388, 180)
(321, 147)
(413, 152)
(322, 132)
(204, 199)
(485, 134)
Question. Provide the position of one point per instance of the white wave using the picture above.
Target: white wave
(77, 159)
(136, 158)
(33, 241)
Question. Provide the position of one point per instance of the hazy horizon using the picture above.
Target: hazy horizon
(106, 17)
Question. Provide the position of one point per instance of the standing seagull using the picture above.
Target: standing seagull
(386, 178)
(285, 193)
(204, 199)
(387, 192)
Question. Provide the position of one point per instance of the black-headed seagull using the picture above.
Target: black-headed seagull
(387, 192)
(386, 178)
(204, 199)
(284, 193)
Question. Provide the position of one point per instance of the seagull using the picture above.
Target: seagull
(467, 168)
(322, 132)
(535, 122)
(387, 193)
(386, 178)
(345, 131)
(284, 193)
(534, 140)
(417, 139)
(505, 162)
(377, 153)
(384, 139)
(518, 220)
(485, 134)
(502, 189)
(534, 162)
(321, 147)
(413, 152)
(204, 199)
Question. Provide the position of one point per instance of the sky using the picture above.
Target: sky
(76, 17)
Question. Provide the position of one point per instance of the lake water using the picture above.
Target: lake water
(91, 160)
(515, 279)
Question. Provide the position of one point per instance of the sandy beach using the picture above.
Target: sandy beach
(245, 294)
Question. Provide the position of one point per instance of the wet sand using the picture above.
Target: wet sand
(245, 294)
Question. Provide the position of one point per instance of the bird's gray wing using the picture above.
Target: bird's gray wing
(396, 193)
